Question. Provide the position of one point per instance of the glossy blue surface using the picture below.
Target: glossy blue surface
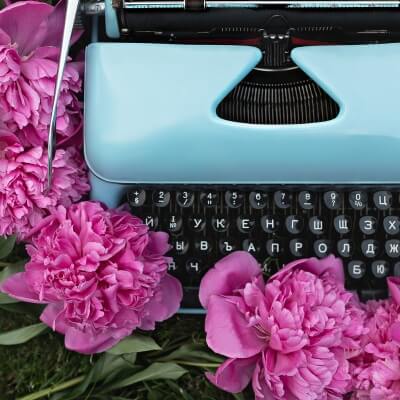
(150, 118)
(110, 15)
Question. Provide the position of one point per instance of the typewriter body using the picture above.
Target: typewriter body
(271, 127)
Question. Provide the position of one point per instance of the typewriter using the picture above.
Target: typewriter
(271, 127)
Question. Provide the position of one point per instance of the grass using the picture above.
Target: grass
(44, 362)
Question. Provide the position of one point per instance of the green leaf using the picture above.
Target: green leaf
(134, 344)
(6, 299)
(6, 245)
(22, 335)
(238, 396)
(11, 270)
(192, 352)
(105, 367)
(153, 372)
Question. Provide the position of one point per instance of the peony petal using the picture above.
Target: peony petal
(394, 288)
(228, 275)
(234, 374)
(17, 287)
(228, 332)
(53, 316)
(316, 266)
(165, 303)
(158, 243)
(90, 343)
(22, 22)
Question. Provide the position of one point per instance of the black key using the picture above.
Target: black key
(251, 246)
(316, 225)
(306, 200)
(219, 224)
(373, 294)
(203, 246)
(322, 248)
(342, 224)
(180, 246)
(297, 247)
(227, 246)
(358, 199)
(345, 248)
(209, 199)
(283, 199)
(396, 269)
(174, 223)
(151, 221)
(294, 224)
(391, 224)
(332, 200)
(274, 247)
(233, 199)
(370, 248)
(392, 248)
(367, 225)
(245, 224)
(136, 198)
(161, 198)
(172, 267)
(269, 223)
(383, 200)
(356, 269)
(193, 266)
(185, 199)
(258, 200)
(380, 269)
(197, 224)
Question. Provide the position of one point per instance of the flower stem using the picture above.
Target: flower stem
(54, 389)
(200, 365)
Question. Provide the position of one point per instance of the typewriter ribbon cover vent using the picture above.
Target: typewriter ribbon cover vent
(278, 98)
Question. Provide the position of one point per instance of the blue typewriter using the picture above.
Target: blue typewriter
(266, 126)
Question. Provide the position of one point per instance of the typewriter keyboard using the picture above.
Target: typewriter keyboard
(276, 224)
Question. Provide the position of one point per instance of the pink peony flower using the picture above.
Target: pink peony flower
(377, 375)
(101, 273)
(23, 179)
(29, 34)
(292, 337)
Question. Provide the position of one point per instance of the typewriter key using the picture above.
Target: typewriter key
(258, 200)
(185, 199)
(161, 198)
(283, 199)
(370, 248)
(368, 225)
(226, 246)
(356, 269)
(193, 266)
(209, 199)
(245, 224)
(342, 224)
(316, 225)
(274, 247)
(345, 248)
(306, 200)
(391, 225)
(251, 247)
(203, 247)
(392, 248)
(297, 247)
(136, 198)
(322, 248)
(269, 223)
(197, 224)
(333, 200)
(358, 199)
(233, 199)
(174, 223)
(383, 200)
(294, 224)
(380, 269)
(219, 224)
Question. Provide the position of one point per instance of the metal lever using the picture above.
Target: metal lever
(71, 10)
